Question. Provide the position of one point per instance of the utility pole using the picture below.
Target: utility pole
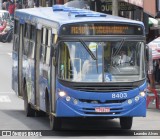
(115, 7)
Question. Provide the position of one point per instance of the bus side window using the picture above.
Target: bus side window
(42, 54)
(27, 30)
(26, 39)
(48, 46)
(32, 32)
(32, 42)
(16, 33)
(16, 28)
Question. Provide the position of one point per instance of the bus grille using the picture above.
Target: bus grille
(103, 88)
(99, 102)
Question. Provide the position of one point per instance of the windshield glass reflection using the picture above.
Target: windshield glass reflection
(113, 61)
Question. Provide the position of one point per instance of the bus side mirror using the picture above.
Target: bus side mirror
(53, 54)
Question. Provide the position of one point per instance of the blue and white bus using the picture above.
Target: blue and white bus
(70, 62)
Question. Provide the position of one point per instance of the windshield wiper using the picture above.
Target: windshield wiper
(88, 50)
(119, 48)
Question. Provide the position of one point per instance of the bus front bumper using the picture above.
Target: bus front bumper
(75, 108)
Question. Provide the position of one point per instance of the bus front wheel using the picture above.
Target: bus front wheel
(55, 123)
(126, 122)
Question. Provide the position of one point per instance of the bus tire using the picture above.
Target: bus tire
(55, 123)
(126, 122)
(29, 111)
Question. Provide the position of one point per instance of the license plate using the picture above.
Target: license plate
(102, 109)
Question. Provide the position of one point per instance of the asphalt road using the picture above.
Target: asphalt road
(12, 116)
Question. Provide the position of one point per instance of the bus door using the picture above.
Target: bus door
(53, 73)
(44, 75)
(29, 60)
(20, 60)
(37, 66)
(15, 57)
(31, 56)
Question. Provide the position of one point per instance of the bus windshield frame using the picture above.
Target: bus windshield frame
(118, 72)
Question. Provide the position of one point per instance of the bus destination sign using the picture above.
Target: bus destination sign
(101, 29)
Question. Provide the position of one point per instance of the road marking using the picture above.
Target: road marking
(5, 99)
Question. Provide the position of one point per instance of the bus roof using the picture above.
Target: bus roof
(60, 17)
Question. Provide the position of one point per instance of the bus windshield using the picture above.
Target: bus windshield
(101, 61)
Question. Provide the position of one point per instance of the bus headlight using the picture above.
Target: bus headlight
(129, 101)
(75, 101)
(137, 98)
(62, 93)
(68, 98)
(142, 94)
